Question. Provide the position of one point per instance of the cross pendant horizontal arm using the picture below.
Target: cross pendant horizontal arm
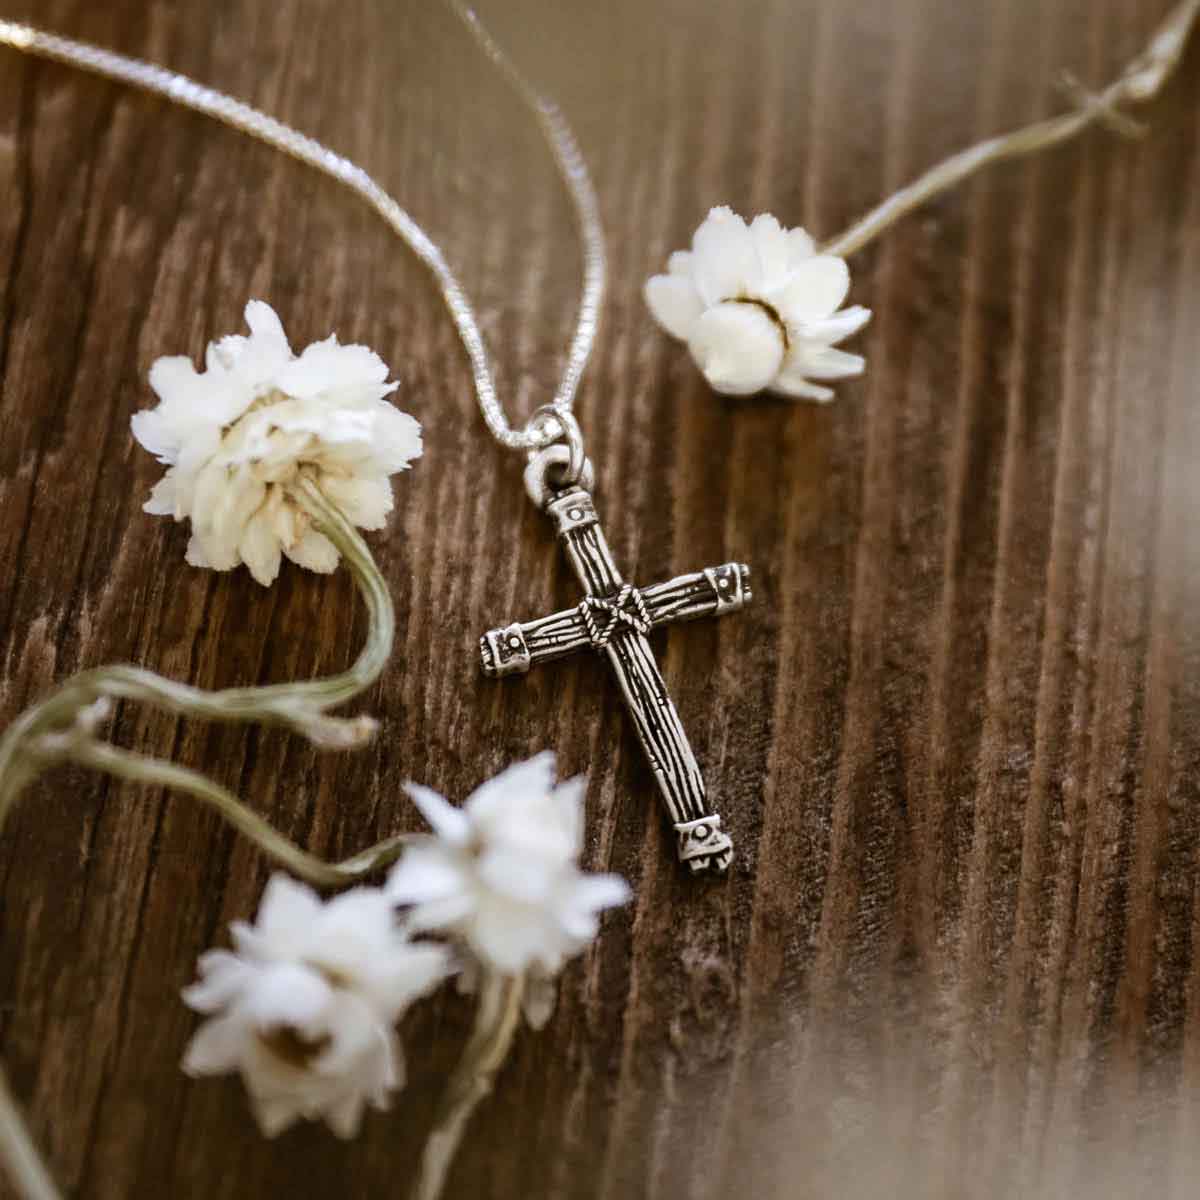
(713, 592)
(614, 618)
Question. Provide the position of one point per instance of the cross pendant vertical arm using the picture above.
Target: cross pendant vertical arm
(615, 618)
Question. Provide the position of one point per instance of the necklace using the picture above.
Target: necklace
(614, 618)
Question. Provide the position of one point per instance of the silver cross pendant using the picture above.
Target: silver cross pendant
(614, 618)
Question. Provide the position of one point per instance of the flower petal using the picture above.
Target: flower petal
(569, 798)
(216, 1047)
(251, 362)
(589, 895)
(365, 501)
(838, 327)
(725, 262)
(515, 875)
(264, 323)
(814, 290)
(161, 501)
(674, 303)
(738, 347)
(288, 995)
(397, 439)
(680, 263)
(596, 892)
(196, 556)
(538, 1002)
(448, 821)
(274, 1114)
(260, 550)
(345, 1117)
(329, 367)
(794, 385)
(800, 246)
(314, 551)
(425, 873)
(447, 913)
(402, 978)
(509, 937)
(222, 976)
(833, 364)
(532, 778)
(773, 247)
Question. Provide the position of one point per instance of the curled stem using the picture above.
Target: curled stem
(21, 1157)
(62, 728)
(1141, 81)
(156, 772)
(296, 706)
(496, 1022)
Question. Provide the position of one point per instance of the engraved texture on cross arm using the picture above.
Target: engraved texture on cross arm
(505, 651)
(684, 598)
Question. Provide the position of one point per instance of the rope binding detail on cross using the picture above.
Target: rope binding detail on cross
(628, 609)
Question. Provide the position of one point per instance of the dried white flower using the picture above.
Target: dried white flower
(237, 433)
(306, 1008)
(501, 873)
(759, 308)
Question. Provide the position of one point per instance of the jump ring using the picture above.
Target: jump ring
(568, 434)
(544, 427)
(554, 458)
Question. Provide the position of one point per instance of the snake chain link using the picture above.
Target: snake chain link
(568, 159)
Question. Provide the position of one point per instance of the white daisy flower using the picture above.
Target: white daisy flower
(306, 1007)
(759, 308)
(236, 434)
(501, 873)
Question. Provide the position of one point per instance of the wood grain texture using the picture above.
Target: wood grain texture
(956, 739)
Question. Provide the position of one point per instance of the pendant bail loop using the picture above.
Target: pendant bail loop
(553, 425)
(559, 462)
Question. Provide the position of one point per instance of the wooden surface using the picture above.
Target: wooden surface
(957, 739)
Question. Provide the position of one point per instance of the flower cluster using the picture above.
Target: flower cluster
(306, 1007)
(759, 308)
(501, 875)
(236, 435)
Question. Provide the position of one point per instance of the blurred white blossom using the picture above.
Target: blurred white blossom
(759, 308)
(236, 434)
(501, 875)
(306, 1007)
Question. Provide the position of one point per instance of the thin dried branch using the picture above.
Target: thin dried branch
(496, 1023)
(1141, 81)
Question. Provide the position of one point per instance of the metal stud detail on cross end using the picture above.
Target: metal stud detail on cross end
(504, 651)
(704, 846)
(731, 586)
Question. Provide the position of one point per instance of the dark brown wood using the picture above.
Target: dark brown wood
(958, 733)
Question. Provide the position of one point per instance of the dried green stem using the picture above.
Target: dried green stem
(496, 1023)
(156, 772)
(62, 728)
(21, 1157)
(296, 706)
(1141, 81)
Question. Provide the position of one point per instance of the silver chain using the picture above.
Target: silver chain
(179, 89)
